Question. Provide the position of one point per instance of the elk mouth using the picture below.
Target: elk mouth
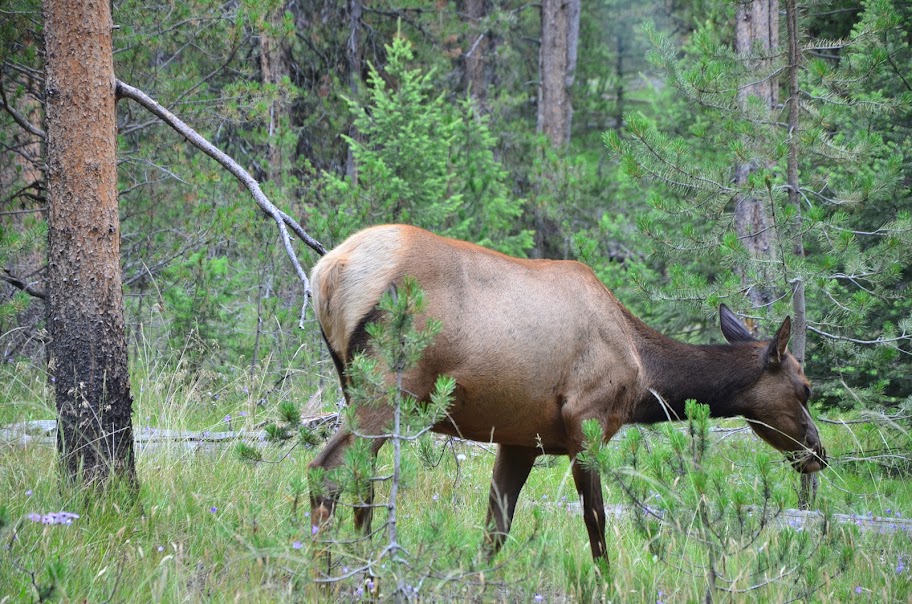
(808, 461)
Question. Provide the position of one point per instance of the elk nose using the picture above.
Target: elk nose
(812, 440)
(814, 458)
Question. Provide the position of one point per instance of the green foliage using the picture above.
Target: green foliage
(847, 242)
(422, 161)
(211, 300)
(692, 512)
(200, 306)
(248, 453)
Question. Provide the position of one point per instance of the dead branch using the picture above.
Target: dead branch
(283, 220)
(19, 118)
(20, 284)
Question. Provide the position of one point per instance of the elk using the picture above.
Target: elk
(536, 347)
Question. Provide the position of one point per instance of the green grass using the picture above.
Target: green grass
(172, 547)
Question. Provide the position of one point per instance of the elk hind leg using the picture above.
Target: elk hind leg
(325, 495)
(511, 469)
(364, 509)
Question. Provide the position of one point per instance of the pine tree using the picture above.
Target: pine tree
(422, 161)
(828, 180)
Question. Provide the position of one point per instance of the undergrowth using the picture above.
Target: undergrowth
(210, 525)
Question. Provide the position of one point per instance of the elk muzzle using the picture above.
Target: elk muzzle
(810, 460)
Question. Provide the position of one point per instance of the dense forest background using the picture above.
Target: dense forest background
(685, 150)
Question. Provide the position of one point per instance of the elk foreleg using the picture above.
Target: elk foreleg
(589, 486)
(511, 469)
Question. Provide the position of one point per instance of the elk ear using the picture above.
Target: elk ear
(732, 328)
(777, 346)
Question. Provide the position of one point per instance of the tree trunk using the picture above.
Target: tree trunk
(557, 67)
(477, 72)
(756, 37)
(799, 305)
(620, 48)
(807, 495)
(85, 302)
(353, 58)
(275, 61)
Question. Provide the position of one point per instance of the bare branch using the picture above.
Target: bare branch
(283, 221)
(20, 284)
(24, 191)
(831, 336)
(20, 119)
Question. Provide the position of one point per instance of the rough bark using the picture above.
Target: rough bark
(756, 38)
(85, 302)
(557, 66)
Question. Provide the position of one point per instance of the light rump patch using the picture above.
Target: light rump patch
(358, 272)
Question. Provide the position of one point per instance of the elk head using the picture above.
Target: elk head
(775, 406)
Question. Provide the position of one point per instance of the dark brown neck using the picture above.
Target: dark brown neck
(714, 375)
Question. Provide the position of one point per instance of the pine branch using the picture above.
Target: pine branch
(283, 220)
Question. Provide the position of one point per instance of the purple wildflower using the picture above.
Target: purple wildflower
(297, 544)
(228, 419)
(66, 518)
(435, 497)
(314, 529)
(161, 548)
(900, 566)
(538, 598)
(858, 589)
(242, 414)
(213, 509)
(28, 493)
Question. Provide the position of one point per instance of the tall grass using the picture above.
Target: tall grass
(210, 526)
